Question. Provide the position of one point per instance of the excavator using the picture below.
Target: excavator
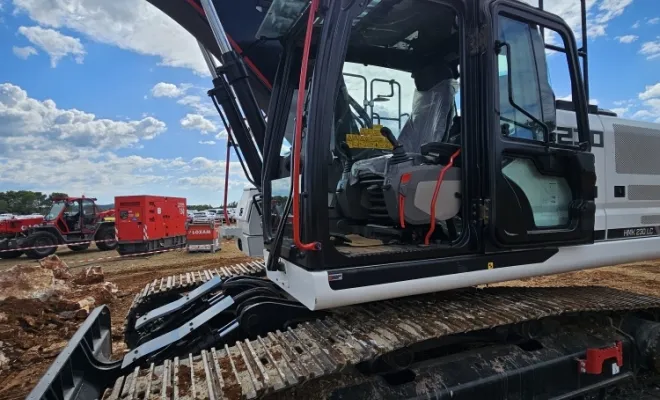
(385, 221)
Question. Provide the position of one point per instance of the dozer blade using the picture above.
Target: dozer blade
(83, 370)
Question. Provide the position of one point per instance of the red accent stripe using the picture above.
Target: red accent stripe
(295, 178)
(236, 47)
(227, 173)
(441, 176)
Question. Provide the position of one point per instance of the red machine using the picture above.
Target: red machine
(76, 221)
(204, 237)
(149, 223)
(11, 229)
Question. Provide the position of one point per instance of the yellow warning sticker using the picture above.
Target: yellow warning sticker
(491, 265)
(368, 138)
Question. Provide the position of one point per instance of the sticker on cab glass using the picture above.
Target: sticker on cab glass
(368, 138)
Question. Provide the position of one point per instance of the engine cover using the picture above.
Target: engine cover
(413, 186)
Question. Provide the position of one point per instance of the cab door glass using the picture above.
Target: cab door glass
(527, 113)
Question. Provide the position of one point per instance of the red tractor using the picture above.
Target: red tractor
(13, 228)
(70, 220)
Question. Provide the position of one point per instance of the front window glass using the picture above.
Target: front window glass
(55, 210)
(88, 207)
(527, 109)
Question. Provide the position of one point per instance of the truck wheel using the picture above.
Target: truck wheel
(79, 247)
(45, 242)
(8, 255)
(105, 238)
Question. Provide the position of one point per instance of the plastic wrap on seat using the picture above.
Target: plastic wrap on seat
(432, 110)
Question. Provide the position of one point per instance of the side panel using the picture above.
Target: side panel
(129, 213)
(632, 190)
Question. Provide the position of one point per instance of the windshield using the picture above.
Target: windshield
(55, 210)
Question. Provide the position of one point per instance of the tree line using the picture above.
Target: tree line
(26, 201)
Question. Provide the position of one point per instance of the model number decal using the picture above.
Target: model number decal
(639, 231)
(569, 136)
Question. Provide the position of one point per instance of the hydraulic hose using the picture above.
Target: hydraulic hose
(434, 200)
(295, 177)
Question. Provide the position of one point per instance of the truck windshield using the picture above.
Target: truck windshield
(55, 210)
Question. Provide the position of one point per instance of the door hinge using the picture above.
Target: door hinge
(484, 210)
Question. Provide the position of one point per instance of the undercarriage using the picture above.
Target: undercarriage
(189, 338)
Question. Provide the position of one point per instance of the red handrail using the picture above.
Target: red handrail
(441, 176)
(295, 177)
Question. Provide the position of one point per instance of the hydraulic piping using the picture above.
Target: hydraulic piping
(295, 177)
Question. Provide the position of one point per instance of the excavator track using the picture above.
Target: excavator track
(330, 347)
(163, 290)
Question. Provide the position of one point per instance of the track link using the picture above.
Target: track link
(351, 335)
(163, 290)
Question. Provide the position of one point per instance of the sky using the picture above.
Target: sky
(106, 98)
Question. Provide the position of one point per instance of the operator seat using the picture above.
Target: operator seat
(433, 108)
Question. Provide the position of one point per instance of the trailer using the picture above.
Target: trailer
(150, 223)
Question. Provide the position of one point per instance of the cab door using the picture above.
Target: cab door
(89, 216)
(541, 191)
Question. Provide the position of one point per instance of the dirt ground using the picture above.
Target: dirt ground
(42, 335)
(132, 274)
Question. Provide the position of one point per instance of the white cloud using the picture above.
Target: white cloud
(36, 122)
(651, 49)
(599, 14)
(207, 142)
(627, 38)
(163, 89)
(650, 91)
(624, 102)
(636, 25)
(654, 21)
(24, 52)
(200, 106)
(222, 134)
(196, 121)
(54, 43)
(651, 102)
(133, 25)
(105, 175)
(620, 111)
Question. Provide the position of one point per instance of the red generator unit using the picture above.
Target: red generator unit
(149, 223)
(204, 237)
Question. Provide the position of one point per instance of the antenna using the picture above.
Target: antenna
(582, 51)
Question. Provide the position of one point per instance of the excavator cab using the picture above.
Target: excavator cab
(468, 164)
